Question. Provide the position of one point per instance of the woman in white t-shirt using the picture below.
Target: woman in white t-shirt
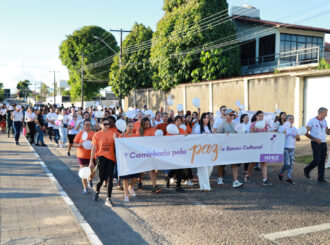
(30, 119)
(245, 122)
(17, 117)
(204, 173)
(72, 124)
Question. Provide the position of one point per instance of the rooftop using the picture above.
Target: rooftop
(257, 21)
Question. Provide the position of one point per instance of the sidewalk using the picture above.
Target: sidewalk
(32, 210)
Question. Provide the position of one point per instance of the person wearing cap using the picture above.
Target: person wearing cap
(17, 117)
(228, 127)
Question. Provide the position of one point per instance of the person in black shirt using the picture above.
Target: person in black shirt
(40, 127)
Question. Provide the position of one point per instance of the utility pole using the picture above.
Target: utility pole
(121, 51)
(82, 81)
(54, 86)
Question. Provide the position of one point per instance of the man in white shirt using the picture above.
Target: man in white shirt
(51, 117)
(222, 117)
(317, 131)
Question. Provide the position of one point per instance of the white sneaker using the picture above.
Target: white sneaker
(132, 192)
(172, 180)
(126, 199)
(236, 184)
(188, 182)
(219, 181)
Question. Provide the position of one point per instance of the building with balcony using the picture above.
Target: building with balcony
(268, 45)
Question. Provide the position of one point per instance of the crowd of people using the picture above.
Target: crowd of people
(93, 131)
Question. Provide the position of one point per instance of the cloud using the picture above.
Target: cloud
(18, 70)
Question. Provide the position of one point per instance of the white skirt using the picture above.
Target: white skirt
(204, 174)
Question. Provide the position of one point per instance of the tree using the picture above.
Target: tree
(135, 70)
(44, 91)
(2, 92)
(23, 89)
(82, 41)
(181, 47)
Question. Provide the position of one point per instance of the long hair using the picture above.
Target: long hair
(201, 124)
(242, 117)
(254, 118)
(143, 121)
(278, 118)
(190, 124)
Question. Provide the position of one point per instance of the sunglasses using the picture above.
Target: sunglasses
(87, 124)
(106, 124)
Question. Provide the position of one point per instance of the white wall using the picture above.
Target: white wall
(317, 94)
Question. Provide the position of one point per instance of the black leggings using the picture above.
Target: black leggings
(31, 132)
(178, 174)
(106, 167)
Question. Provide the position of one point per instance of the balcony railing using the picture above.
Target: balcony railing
(270, 62)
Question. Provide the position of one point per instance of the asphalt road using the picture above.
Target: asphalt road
(222, 216)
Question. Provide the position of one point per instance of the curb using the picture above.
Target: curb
(91, 235)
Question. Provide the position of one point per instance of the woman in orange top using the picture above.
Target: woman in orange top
(147, 130)
(133, 177)
(188, 123)
(178, 120)
(104, 151)
(83, 154)
(137, 124)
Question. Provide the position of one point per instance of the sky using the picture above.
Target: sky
(31, 31)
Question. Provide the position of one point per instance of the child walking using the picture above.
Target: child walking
(289, 148)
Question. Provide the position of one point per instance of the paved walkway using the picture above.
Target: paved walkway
(31, 209)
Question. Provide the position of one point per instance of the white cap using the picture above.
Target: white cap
(18, 107)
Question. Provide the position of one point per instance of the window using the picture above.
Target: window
(267, 48)
(248, 52)
(293, 43)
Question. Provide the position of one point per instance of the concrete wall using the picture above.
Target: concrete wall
(259, 92)
(227, 93)
(265, 93)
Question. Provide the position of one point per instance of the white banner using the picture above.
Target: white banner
(141, 154)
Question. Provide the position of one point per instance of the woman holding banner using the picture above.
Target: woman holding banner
(178, 120)
(204, 127)
(147, 130)
(255, 128)
(133, 177)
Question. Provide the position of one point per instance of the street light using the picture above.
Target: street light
(96, 37)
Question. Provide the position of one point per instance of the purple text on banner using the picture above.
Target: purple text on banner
(271, 157)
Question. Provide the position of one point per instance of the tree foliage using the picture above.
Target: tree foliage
(135, 69)
(176, 57)
(23, 89)
(83, 41)
(323, 64)
(2, 92)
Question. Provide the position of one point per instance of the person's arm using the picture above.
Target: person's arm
(297, 137)
(327, 131)
(311, 137)
(91, 164)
